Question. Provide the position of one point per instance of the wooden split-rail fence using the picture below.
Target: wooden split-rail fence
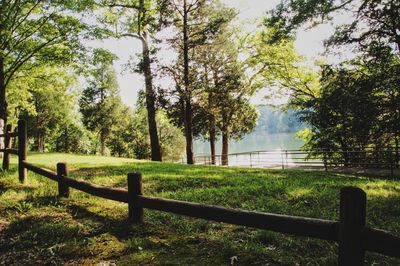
(350, 232)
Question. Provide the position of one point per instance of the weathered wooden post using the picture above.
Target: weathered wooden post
(135, 189)
(22, 150)
(352, 223)
(63, 189)
(7, 145)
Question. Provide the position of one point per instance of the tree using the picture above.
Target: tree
(73, 137)
(141, 19)
(236, 115)
(33, 32)
(344, 117)
(278, 66)
(374, 34)
(198, 23)
(42, 95)
(171, 137)
(100, 104)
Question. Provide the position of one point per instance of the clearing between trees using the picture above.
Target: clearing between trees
(37, 227)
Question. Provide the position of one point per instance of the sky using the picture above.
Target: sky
(309, 43)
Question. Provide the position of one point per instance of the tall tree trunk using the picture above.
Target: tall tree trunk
(212, 140)
(40, 142)
(212, 130)
(102, 143)
(3, 103)
(66, 149)
(225, 147)
(188, 104)
(396, 139)
(150, 102)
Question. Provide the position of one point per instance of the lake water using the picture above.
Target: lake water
(260, 150)
(254, 142)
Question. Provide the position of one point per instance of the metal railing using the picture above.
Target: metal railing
(378, 158)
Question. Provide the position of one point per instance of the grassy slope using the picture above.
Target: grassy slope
(36, 226)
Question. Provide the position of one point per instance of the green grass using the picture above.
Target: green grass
(36, 227)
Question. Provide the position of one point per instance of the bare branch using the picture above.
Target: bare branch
(122, 5)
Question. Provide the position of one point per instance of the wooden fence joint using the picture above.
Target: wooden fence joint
(22, 150)
(7, 146)
(351, 226)
(135, 189)
(63, 188)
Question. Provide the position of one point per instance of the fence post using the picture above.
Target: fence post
(286, 157)
(352, 223)
(22, 150)
(135, 189)
(283, 166)
(63, 189)
(391, 162)
(7, 142)
(325, 160)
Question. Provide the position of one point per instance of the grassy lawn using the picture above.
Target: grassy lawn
(38, 228)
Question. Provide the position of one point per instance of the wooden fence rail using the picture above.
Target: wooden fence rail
(350, 232)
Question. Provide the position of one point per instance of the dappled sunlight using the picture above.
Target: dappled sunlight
(299, 192)
(98, 226)
(381, 189)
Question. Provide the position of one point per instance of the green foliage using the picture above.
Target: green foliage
(288, 16)
(171, 138)
(46, 101)
(279, 67)
(100, 105)
(33, 33)
(74, 138)
(358, 108)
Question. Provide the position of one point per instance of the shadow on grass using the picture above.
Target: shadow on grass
(58, 230)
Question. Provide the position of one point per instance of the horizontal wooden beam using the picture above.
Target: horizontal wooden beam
(95, 190)
(40, 171)
(381, 241)
(375, 240)
(12, 151)
(120, 195)
(317, 228)
(11, 135)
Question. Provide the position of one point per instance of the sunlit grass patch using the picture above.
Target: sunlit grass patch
(84, 229)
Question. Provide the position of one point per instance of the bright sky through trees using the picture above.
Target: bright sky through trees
(308, 43)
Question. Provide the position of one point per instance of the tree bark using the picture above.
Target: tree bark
(66, 149)
(3, 103)
(212, 140)
(225, 147)
(188, 104)
(40, 142)
(102, 143)
(396, 139)
(150, 102)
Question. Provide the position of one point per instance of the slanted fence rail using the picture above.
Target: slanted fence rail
(350, 232)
